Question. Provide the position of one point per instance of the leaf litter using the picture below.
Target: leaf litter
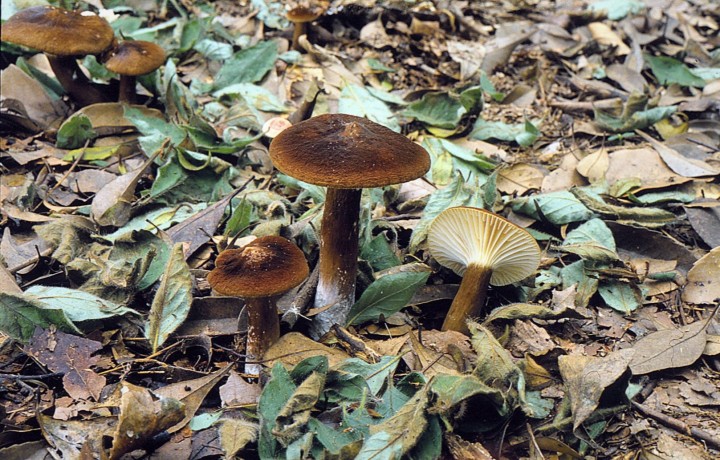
(593, 126)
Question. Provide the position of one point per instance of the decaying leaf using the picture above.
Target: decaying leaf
(670, 348)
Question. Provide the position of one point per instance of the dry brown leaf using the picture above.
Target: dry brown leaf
(594, 166)
(238, 392)
(668, 349)
(294, 347)
(71, 355)
(604, 35)
(703, 284)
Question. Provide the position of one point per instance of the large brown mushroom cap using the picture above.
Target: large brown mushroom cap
(462, 236)
(345, 151)
(57, 31)
(304, 13)
(135, 57)
(268, 266)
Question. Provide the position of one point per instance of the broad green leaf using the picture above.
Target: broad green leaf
(375, 375)
(214, 50)
(437, 109)
(487, 85)
(203, 421)
(386, 296)
(457, 193)
(156, 132)
(295, 413)
(21, 314)
(171, 304)
(558, 208)
(586, 286)
(272, 14)
(637, 120)
(257, 96)
(332, 440)
(617, 9)
(472, 99)
(381, 446)
(620, 296)
(522, 133)
(77, 305)
(379, 254)
(240, 218)
(248, 65)
(452, 390)
(92, 153)
(75, 132)
(669, 70)
(592, 240)
(356, 100)
(464, 159)
(273, 398)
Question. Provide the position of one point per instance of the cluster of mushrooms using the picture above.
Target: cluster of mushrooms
(66, 36)
(346, 153)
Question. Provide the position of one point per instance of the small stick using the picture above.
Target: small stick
(677, 425)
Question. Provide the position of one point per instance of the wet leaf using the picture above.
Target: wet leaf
(668, 349)
(172, 301)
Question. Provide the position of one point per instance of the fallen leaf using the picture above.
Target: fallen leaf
(703, 283)
(669, 349)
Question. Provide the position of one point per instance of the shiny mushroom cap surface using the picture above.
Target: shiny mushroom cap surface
(461, 236)
(268, 266)
(345, 151)
(58, 31)
(135, 57)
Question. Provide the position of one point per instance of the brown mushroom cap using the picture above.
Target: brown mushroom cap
(268, 266)
(304, 13)
(135, 57)
(463, 236)
(57, 31)
(345, 151)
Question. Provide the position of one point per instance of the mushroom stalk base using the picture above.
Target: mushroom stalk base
(126, 93)
(469, 300)
(338, 259)
(74, 81)
(263, 331)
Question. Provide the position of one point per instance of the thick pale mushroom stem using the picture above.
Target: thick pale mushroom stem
(469, 299)
(338, 258)
(263, 330)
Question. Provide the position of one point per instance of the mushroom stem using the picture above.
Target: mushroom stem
(127, 89)
(74, 81)
(469, 299)
(298, 31)
(338, 258)
(263, 330)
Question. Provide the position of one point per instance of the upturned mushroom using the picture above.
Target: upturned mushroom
(64, 36)
(259, 273)
(130, 59)
(344, 153)
(483, 248)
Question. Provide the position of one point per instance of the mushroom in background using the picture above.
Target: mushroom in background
(259, 272)
(300, 16)
(130, 59)
(344, 153)
(64, 36)
(483, 248)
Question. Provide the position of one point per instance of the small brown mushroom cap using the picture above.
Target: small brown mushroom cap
(462, 236)
(268, 266)
(345, 151)
(135, 57)
(304, 13)
(57, 31)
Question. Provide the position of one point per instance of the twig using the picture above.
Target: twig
(677, 425)
(30, 377)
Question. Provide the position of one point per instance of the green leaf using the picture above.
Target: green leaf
(273, 398)
(437, 109)
(248, 65)
(386, 296)
(620, 296)
(668, 71)
(379, 253)
(375, 375)
(21, 314)
(523, 133)
(592, 240)
(332, 440)
(617, 9)
(487, 85)
(356, 100)
(558, 208)
(257, 96)
(155, 131)
(77, 305)
(457, 193)
(75, 131)
(171, 304)
(586, 286)
(240, 219)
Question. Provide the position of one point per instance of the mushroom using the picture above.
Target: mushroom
(300, 16)
(64, 36)
(344, 153)
(130, 59)
(259, 272)
(483, 248)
